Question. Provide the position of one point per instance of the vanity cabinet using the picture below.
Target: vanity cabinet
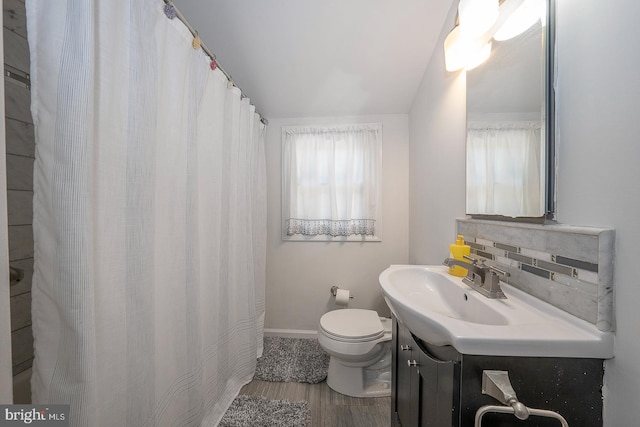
(436, 386)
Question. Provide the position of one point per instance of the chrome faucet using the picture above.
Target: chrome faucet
(483, 278)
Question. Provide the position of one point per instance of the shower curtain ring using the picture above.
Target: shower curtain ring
(196, 41)
(170, 10)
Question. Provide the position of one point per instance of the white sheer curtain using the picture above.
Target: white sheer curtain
(149, 219)
(331, 179)
(504, 169)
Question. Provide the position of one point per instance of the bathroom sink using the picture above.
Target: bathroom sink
(441, 310)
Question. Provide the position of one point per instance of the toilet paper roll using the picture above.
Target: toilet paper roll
(342, 297)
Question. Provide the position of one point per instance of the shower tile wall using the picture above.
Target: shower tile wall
(20, 144)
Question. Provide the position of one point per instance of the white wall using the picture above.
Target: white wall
(300, 274)
(437, 133)
(598, 104)
(599, 150)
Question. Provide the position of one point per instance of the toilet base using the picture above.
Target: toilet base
(358, 381)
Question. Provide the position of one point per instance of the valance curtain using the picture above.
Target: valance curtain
(149, 219)
(504, 168)
(331, 179)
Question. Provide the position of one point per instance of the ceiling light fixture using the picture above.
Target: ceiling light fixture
(469, 43)
(461, 51)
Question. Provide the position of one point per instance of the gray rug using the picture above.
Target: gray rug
(292, 360)
(255, 411)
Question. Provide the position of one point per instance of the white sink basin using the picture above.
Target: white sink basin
(441, 310)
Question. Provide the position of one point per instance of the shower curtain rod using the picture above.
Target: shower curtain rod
(206, 50)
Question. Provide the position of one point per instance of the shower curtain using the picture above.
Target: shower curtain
(149, 219)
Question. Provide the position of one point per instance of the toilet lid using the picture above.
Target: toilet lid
(352, 323)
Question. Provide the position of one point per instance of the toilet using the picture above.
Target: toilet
(359, 345)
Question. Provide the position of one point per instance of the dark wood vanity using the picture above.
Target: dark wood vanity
(436, 386)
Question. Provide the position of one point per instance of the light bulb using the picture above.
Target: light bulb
(461, 51)
(477, 16)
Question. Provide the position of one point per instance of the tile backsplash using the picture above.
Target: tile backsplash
(567, 266)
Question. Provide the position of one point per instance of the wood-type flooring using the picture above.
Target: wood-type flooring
(328, 408)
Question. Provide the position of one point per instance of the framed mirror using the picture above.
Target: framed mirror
(510, 126)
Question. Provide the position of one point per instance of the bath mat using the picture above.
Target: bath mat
(292, 360)
(255, 411)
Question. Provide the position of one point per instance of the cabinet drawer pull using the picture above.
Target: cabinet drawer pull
(412, 363)
(405, 347)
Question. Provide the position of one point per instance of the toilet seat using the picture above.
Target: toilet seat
(352, 325)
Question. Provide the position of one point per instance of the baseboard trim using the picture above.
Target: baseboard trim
(291, 333)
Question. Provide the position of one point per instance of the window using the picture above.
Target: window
(503, 169)
(331, 182)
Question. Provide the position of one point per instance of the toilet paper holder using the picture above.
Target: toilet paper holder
(334, 291)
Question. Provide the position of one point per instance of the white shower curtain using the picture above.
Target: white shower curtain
(149, 219)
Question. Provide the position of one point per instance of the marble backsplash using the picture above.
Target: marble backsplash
(567, 266)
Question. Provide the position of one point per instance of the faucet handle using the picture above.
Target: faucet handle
(474, 261)
(480, 262)
(499, 271)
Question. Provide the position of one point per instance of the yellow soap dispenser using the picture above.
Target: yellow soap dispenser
(458, 251)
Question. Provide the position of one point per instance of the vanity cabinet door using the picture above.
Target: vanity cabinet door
(408, 379)
(425, 383)
(439, 390)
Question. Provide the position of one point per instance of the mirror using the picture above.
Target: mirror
(510, 147)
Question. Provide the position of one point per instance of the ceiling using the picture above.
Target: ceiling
(314, 58)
